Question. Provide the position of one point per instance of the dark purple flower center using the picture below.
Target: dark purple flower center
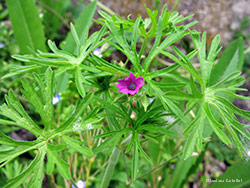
(131, 86)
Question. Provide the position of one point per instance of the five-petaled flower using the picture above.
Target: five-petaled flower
(130, 84)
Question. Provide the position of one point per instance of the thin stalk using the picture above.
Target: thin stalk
(110, 168)
(175, 5)
(97, 171)
(56, 14)
(104, 7)
(91, 160)
(159, 166)
(75, 166)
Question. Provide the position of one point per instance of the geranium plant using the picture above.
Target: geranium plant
(112, 109)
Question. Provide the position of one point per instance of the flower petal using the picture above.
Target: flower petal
(138, 80)
(122, 82)
(131, 77)
(132, 92)
(140, 84)
(121, 86)
(124, 90)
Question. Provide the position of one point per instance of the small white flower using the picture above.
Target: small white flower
(2, 45)
(97, 52)
(151, 100)
(89, 126)
(170, 119)
(56, 99)
(79, 184)
(248, 153)
(133, 114)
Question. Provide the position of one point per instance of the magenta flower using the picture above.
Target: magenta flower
(130, 84)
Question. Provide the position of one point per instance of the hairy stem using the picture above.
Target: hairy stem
(110, 168)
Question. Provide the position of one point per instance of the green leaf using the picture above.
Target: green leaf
(38, 173)
(81, 26)
(134, 34)
(230, 61)
(167, 103)
(44, 61)
(26, 24)
(7, 141)
(216, 126)
(16, 113)
(126, 49)
(195, 137)
(15, 70)
(34, 169)
(156, 44)
(109, 67)
(141, 149)
(190, 143)
(48, 93)
(75, 36)
(214, 49)
(134, 162)
(77, 145)
(8, 155)
(110, 141)
(78, 81)
(114, 108)
(50, 166)
(156, 129)
(63, 167)
(163, 72)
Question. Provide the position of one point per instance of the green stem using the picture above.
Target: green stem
(110, 168)
(175, 5)
(113, 161)
(159, 166)
(104, 7)
(56, 14)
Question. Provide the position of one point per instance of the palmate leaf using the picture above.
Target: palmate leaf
(35, 169)
(16, 113)
(9, 155)
(169, 40)
(40, 95)
(126, 48)
(81, 27)
(167, 103)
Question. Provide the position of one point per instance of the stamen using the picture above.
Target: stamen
(132, 86)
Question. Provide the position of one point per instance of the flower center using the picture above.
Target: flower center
(132, 86)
